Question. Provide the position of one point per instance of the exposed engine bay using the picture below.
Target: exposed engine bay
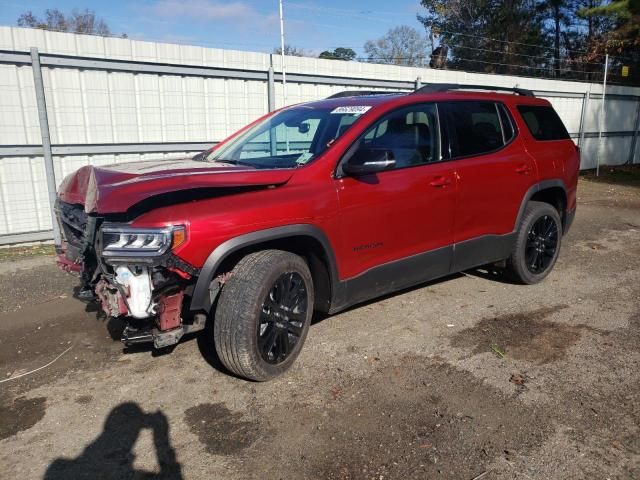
(130, 275)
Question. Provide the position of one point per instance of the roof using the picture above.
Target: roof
(429, 92)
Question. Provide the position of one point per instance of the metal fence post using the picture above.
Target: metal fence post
(271, 90)
(634, 140)
(603, 112)
(585, 104)
(46, 139)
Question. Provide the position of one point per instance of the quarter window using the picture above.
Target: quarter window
(543, 122)
(507, 123)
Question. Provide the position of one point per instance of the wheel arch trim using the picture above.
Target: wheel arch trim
(535, 188)
(201, 299)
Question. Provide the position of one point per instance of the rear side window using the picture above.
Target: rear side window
(543, 122)
(474, 127)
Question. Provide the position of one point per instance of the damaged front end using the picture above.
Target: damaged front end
(130, 272)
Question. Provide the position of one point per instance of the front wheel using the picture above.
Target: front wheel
(263, 314)
(537, 244)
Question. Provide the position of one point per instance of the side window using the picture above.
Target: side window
(474, 127)
(411, 134)
(543, 122)
(376, 132)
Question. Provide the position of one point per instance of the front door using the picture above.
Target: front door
(397, 224)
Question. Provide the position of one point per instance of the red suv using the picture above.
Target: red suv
(317, 207)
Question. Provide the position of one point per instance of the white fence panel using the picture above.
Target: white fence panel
(116, 113)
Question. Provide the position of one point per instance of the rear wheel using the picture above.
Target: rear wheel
(263, 314)
(537, 244)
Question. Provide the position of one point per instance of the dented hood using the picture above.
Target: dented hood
(116, 188)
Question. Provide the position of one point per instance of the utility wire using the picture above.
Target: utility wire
(456, 46)
(358, 14)
(353, 13)
(450, 45)
(501, 64)
(517, 43)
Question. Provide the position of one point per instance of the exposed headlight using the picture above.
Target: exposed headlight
(118, 240)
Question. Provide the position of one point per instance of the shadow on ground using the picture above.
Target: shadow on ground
(110, 456)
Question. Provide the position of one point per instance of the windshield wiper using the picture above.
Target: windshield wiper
(234, 162)
(200, 157)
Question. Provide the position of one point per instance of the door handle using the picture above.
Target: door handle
(523, 169)
(440, 181)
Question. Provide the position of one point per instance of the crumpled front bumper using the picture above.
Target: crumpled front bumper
(148, 292)
(153, 315)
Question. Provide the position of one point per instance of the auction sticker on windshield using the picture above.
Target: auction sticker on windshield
(353, 109)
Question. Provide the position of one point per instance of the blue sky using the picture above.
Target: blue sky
(314, 25)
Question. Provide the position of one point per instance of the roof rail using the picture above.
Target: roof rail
(445, 87)
(360, 93)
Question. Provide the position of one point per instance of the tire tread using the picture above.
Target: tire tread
(237, 307)
(516, 270)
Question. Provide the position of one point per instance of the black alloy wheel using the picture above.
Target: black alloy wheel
(282, 319)
(542, 244)
(263, 314)
(537, 244)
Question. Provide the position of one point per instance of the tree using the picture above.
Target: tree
(401, 45)
(487, 35)
(624, 36)
(339, 53)
(557, 10)
(439, 57)
(291, 51)
(78, 21)
(621, 37)
(560, 38)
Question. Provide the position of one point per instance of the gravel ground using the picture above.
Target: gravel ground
(459, 377)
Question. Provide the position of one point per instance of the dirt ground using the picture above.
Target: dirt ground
(459, 377)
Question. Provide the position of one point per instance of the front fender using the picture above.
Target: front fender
(201, 299)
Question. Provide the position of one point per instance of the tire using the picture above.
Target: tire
(535, 250)
(257, 309)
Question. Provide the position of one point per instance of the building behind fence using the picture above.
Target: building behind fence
(113, 100)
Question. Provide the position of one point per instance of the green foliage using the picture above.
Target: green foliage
(547, 38)
(339, 53)
(622, 39)
(488, 36)
(620, 9)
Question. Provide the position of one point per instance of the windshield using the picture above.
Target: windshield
(290, 138)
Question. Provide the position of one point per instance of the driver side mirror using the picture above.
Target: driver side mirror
(367, 160)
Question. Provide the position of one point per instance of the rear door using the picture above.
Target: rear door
(493, 174)
(395, 214)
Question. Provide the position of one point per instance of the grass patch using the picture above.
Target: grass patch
(622, 175)
(15, 253)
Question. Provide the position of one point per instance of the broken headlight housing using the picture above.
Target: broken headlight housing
(126, 241)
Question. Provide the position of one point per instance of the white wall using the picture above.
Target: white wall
(92, 106)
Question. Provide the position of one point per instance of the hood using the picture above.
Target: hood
(116, 188)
